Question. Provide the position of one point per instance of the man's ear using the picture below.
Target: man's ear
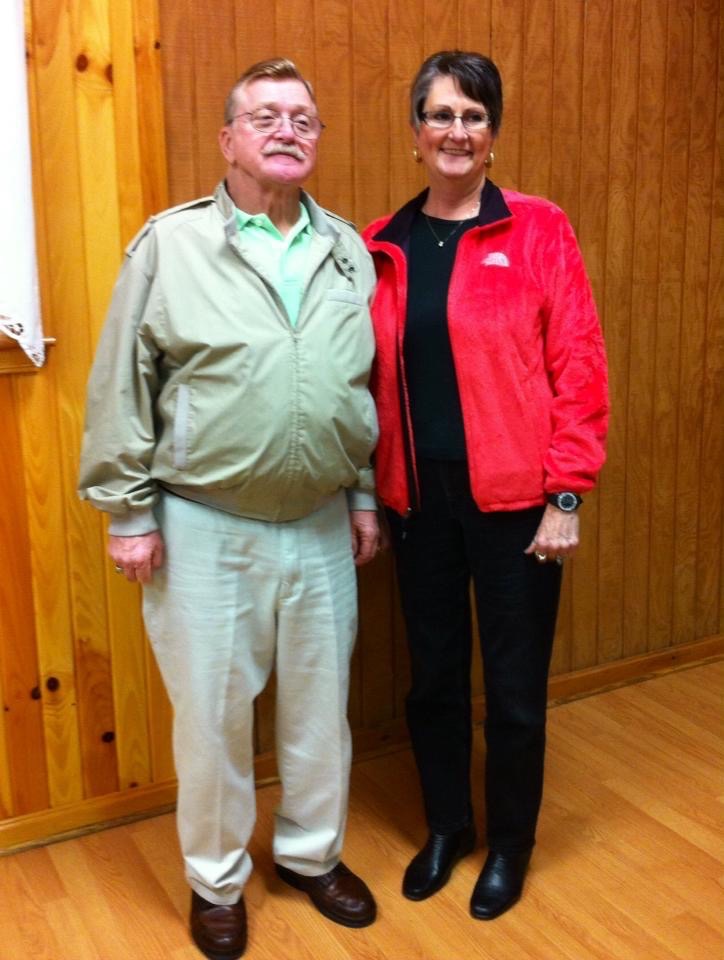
(225, 145)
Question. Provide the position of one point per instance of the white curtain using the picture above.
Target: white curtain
(19, 299)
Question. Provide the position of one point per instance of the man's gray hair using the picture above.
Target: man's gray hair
(278, 68)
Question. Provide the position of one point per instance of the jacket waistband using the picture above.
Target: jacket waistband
(227, 500)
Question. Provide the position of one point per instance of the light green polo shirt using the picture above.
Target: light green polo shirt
(284, 258)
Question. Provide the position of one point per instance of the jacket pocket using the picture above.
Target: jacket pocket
(346, 296)
(373, 427)
(181, 427)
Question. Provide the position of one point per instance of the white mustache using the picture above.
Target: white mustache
(288, 148)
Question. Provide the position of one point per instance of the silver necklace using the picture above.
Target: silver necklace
(441, 243)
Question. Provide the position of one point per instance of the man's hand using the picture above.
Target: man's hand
(365, 535)
(137, 557)
(556, 536)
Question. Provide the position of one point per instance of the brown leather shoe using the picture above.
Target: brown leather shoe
(218, 931)
(339, 895)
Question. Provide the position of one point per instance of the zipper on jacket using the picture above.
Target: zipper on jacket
(413, 491)
(408, 442)
(405, 520)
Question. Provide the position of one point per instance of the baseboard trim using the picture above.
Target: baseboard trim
(88, 816)
(604, 676)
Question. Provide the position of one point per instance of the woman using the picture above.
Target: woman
(490, 385)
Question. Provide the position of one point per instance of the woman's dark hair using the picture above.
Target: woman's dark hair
(476, 75)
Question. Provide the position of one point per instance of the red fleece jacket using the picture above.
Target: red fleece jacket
(528, 353)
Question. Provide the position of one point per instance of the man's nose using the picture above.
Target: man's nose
(286, 128)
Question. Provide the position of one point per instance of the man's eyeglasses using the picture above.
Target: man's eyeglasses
(269, 121)
(473, 120)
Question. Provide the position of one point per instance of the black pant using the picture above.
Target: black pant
(438, 551)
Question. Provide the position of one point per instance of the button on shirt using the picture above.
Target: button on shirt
(284, 258)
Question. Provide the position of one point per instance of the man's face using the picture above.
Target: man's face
(271, 159)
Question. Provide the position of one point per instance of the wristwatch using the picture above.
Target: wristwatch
(567, 502)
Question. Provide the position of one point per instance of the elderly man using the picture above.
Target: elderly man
(229, 430)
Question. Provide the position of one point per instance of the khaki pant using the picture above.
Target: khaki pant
(235, 598)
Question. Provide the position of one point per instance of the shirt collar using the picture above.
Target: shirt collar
(261, 221)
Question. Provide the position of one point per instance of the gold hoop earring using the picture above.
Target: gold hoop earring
(416, 155)
(490, 159)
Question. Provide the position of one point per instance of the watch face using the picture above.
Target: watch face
(567, 501)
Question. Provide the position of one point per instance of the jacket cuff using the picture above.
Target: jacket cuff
(135, 523)
(360, 499)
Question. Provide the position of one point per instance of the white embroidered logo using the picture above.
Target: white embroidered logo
(496, 259)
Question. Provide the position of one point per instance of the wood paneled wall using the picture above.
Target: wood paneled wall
(612, 109)
(85, 721)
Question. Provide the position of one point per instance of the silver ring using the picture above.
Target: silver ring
(118, 569)
(559, 561)
(540, 557)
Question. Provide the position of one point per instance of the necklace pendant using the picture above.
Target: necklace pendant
(440, 243)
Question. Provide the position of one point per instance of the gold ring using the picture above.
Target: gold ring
(119, 569)
(540, 557)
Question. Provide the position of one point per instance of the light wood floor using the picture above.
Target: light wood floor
(628, 865)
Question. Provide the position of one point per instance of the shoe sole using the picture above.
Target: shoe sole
(417, 897)
(291, 880)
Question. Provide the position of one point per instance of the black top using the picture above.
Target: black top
(437, 420)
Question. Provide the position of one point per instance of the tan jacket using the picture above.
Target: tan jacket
(201, 385)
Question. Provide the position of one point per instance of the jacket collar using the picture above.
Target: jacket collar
(493, 209)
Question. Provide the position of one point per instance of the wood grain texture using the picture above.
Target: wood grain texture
(377, 600)
(22, 728)
(370, 118)
(149, 106)
(38, 398)
(333, 88)
(642, 341)
(616, 317)
(710, 606)
(665, 435)
(700, 187)
(126, 639)
(405, 53)
(176, 26)
(613, 110)
(88, 204)
(507, 50)
(80, 76)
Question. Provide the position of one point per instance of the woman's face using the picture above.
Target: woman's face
(455, 153)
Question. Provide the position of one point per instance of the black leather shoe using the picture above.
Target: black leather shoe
(499, 885)
(218, 931)
(339, 895)
(430, 869)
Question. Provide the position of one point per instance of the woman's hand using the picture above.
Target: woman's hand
(556, 536)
